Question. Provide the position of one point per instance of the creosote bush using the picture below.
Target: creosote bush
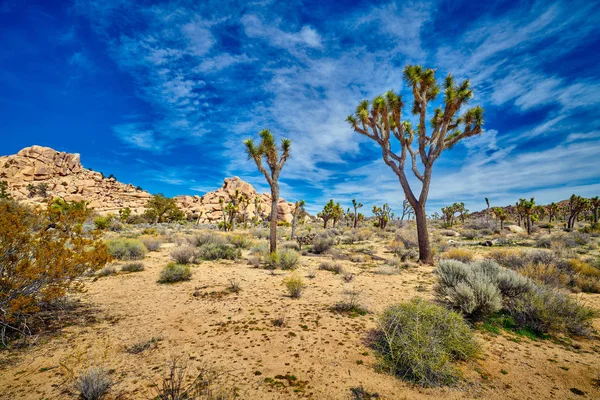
(419, 341)
(126, 249)
(93, 384)
(175, 273)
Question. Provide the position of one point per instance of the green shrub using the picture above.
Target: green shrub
(103, 222)
(240, 241)
(133, 267)
(321, 244)
(545, 310)
(284, 259)
(175, 273)
(208, 238)
(218, 251)
(126, 249)
(419, 341)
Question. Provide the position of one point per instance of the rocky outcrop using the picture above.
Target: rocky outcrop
(209, 209)
(65, 177)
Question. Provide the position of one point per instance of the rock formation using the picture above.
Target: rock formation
(66, 178)
(209, 208)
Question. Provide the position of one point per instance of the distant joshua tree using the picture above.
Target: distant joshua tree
(577, 204)
(595, 204)
(382, 122)
(331, 211)
(501, 215)
(267, 149)
(527, 208)
(553, 210)
(298, 214)
(384, 215)
(356, 205)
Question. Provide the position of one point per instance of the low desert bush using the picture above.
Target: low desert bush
(350, 304)
(294, 285)
(106, 271)
(471, 234)
(481, 289)
(547, 274)
(184, 254)
(483, 224)
(207, 237)
(545, 310)
(93, 384)
(334, 267)
(218, 251)
(133, 267)
(291, 245)
(419, 341)
(103, 222)
(408, 237)
(322, 243)
(348, 277)
(234, 285)
(240, 241)
(126, 249)
(284, 259)
(463, 255)
(152, 243)
(396, 247)
(175, 273)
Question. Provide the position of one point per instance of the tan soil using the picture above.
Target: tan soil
(234, 332)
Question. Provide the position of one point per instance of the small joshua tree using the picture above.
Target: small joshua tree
(595, 204)
(381, 121)
(553, 210)
(267, 149)
(327, 213)
(577, 204)
(384, 215)
(527, 208)
(356, 205)
(298, 214)
(501, 215)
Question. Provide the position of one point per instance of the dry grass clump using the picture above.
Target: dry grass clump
(175, 273)
(294, 285)
(408, 237)
(93, 384)
(184, 254)
(463, 255)
(420, 341)
(207, 384)
(152, 243)
(126, 249)
(133, 267)
(334, 267)
(351, 304)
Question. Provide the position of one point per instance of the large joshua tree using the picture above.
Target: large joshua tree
(381, 120)
(268, 150)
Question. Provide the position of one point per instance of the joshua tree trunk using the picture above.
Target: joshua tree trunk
(425, 253)
(274, 215)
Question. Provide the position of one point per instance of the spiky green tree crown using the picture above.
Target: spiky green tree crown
(268, 150)
(382, 118)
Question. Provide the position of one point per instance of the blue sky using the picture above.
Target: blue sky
(162, 94)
